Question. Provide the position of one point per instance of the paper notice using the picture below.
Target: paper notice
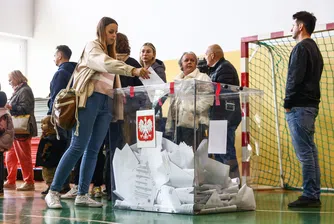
(217, 136)
(144, 190)
(157, 164)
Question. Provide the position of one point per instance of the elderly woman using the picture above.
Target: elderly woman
(22, 102)
(181, 112)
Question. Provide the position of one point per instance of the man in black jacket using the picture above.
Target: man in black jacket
(301, 103)
(59, 81)
(222, 71)
(64, 73)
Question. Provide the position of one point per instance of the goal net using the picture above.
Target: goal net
(265, 67)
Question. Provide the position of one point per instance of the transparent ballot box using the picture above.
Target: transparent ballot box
(173, 153)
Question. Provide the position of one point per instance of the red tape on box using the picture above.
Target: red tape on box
(171, 87)
(132, 91)
(217, 101)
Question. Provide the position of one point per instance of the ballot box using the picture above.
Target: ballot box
(172, 147)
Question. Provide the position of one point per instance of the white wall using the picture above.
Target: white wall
(13, 57)
(17, 18)
(174, 26)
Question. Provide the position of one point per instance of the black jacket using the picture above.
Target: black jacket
(50, 150)
(59, 81)
(304, 73)
(224, 72)
(131, 81)
(229, 108)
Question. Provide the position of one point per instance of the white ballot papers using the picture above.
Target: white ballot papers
(153, 80)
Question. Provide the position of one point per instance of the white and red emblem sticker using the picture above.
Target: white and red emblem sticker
(145, 122)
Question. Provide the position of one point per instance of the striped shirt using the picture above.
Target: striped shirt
(104, 83)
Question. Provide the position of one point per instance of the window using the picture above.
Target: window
(12, 57)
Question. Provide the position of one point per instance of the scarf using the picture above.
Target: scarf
(17, 87)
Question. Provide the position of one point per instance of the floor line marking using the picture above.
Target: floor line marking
(65, 218)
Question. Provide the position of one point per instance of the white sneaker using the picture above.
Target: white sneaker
(71, 193)
(52, 199)
(85, 200)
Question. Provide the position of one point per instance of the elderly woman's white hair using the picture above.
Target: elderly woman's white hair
(180, 60)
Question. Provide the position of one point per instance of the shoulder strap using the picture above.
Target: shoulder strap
(72, 76)
(71, 79)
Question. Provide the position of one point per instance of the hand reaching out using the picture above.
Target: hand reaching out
(141, 72)
(8, 106)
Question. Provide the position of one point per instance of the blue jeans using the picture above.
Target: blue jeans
(301, 124)
(94, 123)
(230, 148)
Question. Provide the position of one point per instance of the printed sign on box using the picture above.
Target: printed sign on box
(145, 126)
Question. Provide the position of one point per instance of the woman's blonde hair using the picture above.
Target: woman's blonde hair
(150, 45)
(101, 35)
(18, 76)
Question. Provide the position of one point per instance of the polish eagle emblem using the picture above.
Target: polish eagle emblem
(145, 128)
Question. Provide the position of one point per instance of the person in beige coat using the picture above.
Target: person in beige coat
(181, 112)
(94, 79)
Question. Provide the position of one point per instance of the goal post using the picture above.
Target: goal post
(264, 64)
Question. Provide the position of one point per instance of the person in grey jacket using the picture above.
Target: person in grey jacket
(148, 59)
(22, 102)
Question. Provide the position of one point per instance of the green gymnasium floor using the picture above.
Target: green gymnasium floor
(29, 207)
